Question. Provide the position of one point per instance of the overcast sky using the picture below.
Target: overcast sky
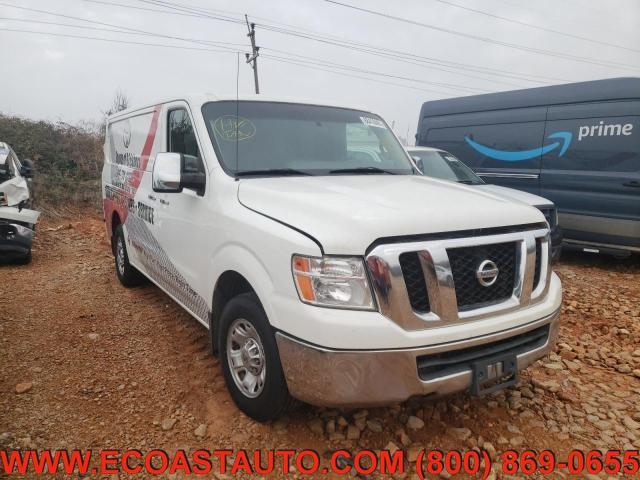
(71, 79)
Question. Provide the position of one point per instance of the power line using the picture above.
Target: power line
(315, 61)
(370, 49)
(565, 56)
(411, 59)
(113, 40)
(300, 64)
(325, 63)
(136, 30)
(110, 30)
(396, 55)
(190, 10)
(537, 27)
(146, 9)
(457, 87)
(301, 59)
(182, 47)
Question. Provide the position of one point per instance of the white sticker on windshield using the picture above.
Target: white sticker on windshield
(373, 122)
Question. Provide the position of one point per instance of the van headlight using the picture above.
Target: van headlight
(339, 282)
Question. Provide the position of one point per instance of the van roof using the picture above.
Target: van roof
(199, 99)
(596, 90)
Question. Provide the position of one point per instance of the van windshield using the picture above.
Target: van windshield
(445, 166)
(277, 139)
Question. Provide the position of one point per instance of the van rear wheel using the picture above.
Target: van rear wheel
(250, 360)
(128, 275)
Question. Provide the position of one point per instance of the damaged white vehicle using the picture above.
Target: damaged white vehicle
(17, 222)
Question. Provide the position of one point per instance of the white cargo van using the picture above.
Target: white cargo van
(325, 275)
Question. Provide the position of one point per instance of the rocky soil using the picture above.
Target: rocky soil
(86, 363)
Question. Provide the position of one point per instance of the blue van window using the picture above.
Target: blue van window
(467, 143)
(609, 144)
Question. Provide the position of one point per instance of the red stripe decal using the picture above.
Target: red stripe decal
(136, 178)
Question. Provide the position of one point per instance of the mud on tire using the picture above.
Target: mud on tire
(128, 275)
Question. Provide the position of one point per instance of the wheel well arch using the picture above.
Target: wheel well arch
(229, 284)
(115, 222)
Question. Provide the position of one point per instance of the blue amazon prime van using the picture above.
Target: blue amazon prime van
(577, 145)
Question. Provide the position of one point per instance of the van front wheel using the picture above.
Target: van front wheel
(128, 275)
(250, 360)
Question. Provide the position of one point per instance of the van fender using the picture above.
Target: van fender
(238, 258)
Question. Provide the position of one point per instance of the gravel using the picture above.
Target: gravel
(585, 395)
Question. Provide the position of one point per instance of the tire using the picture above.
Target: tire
(128, 275)
(243, 320)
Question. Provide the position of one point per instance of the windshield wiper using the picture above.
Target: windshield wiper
(361, 170)
(271, 171)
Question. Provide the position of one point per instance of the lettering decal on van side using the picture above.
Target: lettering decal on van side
(602, 130)
(519, 156)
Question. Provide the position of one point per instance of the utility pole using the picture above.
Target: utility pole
(253, 58)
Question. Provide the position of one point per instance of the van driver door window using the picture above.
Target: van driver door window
(182, 139)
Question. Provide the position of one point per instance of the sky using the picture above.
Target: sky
(445, 49)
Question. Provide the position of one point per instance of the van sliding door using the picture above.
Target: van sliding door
(595, 182)
(503, 147)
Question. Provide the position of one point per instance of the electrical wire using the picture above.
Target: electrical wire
(550, 53)
(113, 40)
(182, 47)
(537, 27)
(395, 55)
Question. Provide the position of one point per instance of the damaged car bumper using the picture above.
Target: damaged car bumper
(15, 238)
(17, 229)
(368, 378)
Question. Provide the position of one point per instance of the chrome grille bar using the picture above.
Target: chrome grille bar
(391, 291)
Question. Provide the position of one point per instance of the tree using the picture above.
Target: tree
(120, 102)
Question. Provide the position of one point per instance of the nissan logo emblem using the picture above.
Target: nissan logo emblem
(487, 273)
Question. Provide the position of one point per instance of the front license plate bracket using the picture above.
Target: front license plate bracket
(495, 373)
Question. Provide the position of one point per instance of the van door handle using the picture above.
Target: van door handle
(632, 183)
(151, 197)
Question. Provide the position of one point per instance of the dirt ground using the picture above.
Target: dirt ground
(108, 367)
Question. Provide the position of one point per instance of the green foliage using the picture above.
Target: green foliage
(67, 158)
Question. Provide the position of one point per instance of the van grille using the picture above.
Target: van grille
(430, 283)
(414, 280)
(538, 269)
(464, 265)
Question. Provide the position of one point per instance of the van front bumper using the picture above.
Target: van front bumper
(370, 378)
(15, 239)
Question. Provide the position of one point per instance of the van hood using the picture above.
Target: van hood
(518, 195)
(347, 213)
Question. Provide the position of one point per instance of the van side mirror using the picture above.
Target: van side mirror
(195, 181)
(419, 163)
(169, 177)
(166, 172)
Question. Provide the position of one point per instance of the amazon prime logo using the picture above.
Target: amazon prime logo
(487, 273)
(564, 140)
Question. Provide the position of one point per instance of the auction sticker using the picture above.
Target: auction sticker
(230, 127)
(373, 122)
